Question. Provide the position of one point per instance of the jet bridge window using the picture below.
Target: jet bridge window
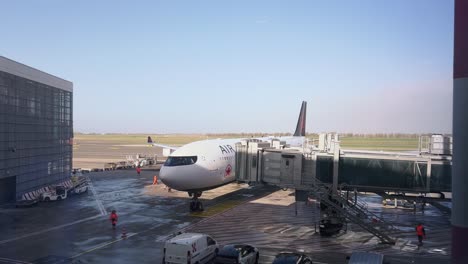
(180, 161)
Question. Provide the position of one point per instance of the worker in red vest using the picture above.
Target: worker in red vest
(114, 218)
(421, 233)
(155, 180)
(138, 169)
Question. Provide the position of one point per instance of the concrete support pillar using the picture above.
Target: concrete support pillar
(355, 196)
(429, 174)
(460, 136)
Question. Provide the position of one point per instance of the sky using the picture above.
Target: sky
(242, 66)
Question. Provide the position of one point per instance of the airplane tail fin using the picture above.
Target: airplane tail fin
(150, 140)
(301, 122)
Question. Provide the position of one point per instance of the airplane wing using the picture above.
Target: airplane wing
(150, 141)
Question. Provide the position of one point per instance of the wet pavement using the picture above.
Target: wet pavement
(271, 224)
(76, 230)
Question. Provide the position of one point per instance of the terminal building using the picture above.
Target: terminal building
(36, 129)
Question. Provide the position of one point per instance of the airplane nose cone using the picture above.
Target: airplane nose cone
(189, 177)
(164, 174)
(170, 177)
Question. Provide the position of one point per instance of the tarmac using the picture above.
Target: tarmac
(94, 153)
(78, 230)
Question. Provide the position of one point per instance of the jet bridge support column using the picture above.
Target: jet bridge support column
(428, 174)
(460, 136)
(336, 165)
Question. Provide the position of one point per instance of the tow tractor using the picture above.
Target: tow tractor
(80, 185)
(56, 194)
(79, 189)
(330, 226)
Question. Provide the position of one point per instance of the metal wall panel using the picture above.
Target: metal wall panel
(7, 189)
(36, 131)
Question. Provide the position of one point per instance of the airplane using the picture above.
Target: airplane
(207, 164)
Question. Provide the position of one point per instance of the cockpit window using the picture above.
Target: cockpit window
(180, 161)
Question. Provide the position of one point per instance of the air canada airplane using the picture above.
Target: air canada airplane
(208, 164)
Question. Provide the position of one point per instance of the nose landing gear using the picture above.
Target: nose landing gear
(195, 204)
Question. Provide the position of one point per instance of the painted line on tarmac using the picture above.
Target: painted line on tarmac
(103, 245)
(112, 242)
(7, 260)
(218, 208)
(182, 230)
(48, 230)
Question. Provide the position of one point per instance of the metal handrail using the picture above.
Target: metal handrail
(371, 222)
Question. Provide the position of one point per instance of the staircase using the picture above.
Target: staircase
(355, 212)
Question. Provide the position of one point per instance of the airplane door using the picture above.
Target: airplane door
(287, 170)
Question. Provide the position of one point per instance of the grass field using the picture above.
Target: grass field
(380, 143)
(355, 142)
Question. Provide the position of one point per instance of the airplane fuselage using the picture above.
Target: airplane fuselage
(207, 164)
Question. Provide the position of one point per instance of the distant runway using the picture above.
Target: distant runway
(94, 154)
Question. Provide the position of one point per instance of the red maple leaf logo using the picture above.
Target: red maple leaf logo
(228, 170)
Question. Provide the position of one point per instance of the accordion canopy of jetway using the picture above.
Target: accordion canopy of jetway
(299, 168)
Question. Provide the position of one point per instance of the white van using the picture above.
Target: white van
(190, 248)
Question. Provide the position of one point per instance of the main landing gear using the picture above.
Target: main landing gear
(195, 204)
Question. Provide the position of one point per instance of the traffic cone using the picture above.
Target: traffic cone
(155, 180)
(124, 233)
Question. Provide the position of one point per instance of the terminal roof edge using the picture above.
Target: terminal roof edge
(22, 70)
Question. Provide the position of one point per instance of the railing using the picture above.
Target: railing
(354, 211)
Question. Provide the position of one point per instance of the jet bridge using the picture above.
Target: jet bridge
(375, 171)
(325, 170)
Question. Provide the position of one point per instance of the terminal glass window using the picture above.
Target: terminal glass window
(36, 128)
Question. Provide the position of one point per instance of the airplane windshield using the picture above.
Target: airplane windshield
(180, 161)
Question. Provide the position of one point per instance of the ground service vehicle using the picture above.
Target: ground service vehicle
(190, 248)
(292, 258)
(55, 194)
(80, 189)
(237, 254)
(330, 226)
